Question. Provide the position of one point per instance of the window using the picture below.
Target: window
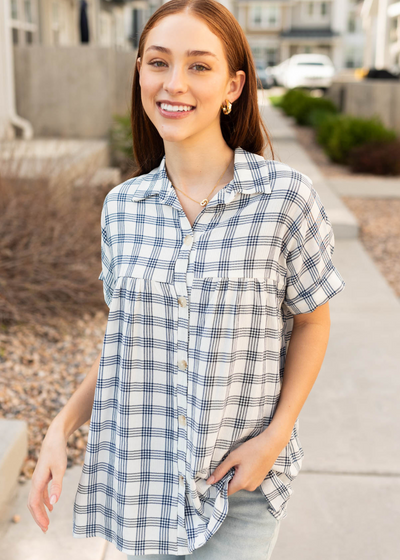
(264, 17)
(351, 23)
(272, 56)
(14, 9)
(265, 56)
(317, 12)
(272, 13)
(28, 11)
(23, 21)
(353, 58)
(55, 25)
(393, 30)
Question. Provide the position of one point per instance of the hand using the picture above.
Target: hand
(252, 461)
(51, 465)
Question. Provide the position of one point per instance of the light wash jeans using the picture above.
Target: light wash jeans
(248, 532)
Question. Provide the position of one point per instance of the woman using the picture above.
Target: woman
(213, 260)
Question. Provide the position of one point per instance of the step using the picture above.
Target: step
(105, 176)
(366, 186)
(13, 452)
(54, 161)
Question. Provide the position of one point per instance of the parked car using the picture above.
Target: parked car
(304, 70)
(381, 74)
(264, 76)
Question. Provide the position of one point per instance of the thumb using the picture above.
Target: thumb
(220, 471)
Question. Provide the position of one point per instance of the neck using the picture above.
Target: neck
(196, 170)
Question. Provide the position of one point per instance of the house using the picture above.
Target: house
(278, 29)
(61, 23)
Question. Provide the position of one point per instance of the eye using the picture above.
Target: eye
(156, 62)
(201, 66)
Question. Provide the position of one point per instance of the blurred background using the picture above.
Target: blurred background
(329, 92)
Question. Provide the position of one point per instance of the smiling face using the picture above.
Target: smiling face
(169, 72)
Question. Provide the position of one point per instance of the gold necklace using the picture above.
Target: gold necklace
(205, 201)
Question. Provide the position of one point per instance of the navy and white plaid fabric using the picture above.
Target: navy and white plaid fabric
(194, 351)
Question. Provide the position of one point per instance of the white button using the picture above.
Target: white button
(181, 480)
(188, 240)
(182, 364)
(182, 420)
(182, 301)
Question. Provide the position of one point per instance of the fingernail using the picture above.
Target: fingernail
(53, 499)
(211, 480)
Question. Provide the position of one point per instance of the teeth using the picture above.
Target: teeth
(175, 108)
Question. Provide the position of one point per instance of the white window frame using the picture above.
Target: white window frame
(316, 16)
(265, 11)
(20, 22)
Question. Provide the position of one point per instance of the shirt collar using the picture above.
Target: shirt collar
(251, 175)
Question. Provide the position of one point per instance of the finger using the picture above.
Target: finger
(46, 498)
(36, 507)
(56, 485)
(35, 501)
(219, 472)
(234, 486)
(215, 476)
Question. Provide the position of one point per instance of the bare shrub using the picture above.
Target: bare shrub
(50, 256)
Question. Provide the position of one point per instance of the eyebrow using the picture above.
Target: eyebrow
(188, 53)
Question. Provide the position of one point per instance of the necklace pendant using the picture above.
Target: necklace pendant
(204, 202)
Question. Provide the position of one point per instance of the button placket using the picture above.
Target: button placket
(182, 365)
(183, 282)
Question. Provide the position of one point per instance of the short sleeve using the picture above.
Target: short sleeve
(311, 275)
(106, 274)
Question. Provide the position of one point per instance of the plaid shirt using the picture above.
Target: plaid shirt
(194, 351)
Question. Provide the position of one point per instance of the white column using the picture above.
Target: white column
(382, 39)
(8, 114)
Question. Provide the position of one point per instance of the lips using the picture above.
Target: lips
(174, 115)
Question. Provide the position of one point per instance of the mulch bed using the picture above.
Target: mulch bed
(40, 368)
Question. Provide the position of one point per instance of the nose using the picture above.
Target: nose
(175, 81)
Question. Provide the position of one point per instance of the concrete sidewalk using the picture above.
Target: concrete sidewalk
(366, 187)
(346, 499)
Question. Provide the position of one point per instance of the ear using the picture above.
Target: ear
(237, 84)
(139, 63)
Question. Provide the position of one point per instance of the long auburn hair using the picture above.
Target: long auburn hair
(243, 126)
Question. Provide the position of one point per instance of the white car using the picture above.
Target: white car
(305, 70)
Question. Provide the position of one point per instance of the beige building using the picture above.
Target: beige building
(278, 29)
(62, 22)
(116, 24)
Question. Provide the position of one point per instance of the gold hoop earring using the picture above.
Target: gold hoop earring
(227, 108)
